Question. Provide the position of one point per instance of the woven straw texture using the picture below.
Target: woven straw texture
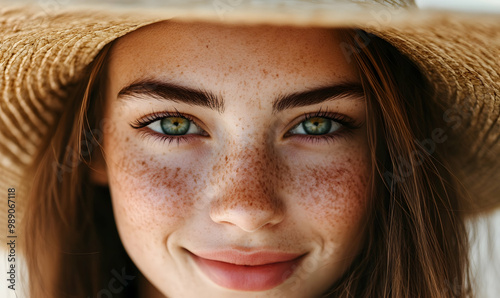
(43, 51)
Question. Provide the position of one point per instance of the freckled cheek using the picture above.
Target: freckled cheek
(335, 196)
(150, 192)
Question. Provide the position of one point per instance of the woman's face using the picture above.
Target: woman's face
(238, 164)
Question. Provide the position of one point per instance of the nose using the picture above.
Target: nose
(247, 196)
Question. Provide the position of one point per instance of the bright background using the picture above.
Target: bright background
(467, 5)
(485, 254)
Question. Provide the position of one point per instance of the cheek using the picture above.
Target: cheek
(152, 195)
(334, 195)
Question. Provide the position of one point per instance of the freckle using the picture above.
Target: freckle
(176, 173)
(126, 139)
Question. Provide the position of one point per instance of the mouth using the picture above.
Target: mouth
(256, 271)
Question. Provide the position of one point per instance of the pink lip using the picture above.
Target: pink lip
(256, 271)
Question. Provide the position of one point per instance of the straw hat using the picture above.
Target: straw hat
(45, 46)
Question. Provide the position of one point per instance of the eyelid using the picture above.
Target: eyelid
(142, 123)
(344, 120)
(147, 119)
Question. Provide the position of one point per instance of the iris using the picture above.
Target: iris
(175, 125)
(317, 125)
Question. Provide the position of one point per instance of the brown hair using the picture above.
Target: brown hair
(72, 245)
(416, 243)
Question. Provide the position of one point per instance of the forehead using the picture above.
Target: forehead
(208, 53)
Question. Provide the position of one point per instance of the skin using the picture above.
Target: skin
(243, 184)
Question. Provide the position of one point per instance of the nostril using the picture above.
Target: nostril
(248, 215)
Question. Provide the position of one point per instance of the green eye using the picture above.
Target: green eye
(317, 125)
(175, 125)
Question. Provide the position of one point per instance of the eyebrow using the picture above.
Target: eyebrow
(318, 95)
(177, 93)
(173, 92)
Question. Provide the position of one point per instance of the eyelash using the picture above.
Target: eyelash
(155, 116)
(348, 126)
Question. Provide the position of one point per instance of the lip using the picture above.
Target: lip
(247, 271)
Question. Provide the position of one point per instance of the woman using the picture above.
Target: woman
(257, 161)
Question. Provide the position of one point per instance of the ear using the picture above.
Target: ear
(98, 168)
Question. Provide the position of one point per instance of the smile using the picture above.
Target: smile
(257, 271)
